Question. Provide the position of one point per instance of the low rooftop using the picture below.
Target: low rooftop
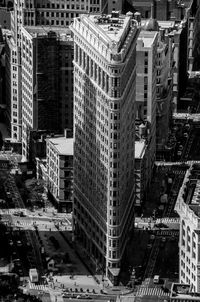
(63, 145)
(192, 190)
(61, 32)
(183, 292)
(147, 38)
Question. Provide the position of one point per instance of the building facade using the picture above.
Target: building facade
(104, 131)
(60, 171)
(13, 91)
(146, 90)
(47, 82)
(188, 208)
(142, 176)
(164, 86)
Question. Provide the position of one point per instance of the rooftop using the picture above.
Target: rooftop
(115, 30)
(168, 24)
(183, 292)
(147, 37)
(61, 32)
(112, 25)
(63, 145)
(140, 147)
(191, 185)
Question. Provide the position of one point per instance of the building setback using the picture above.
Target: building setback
(46, 82)
(104, 133)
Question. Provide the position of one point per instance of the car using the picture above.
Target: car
(22, 214)
(163, 239)
(10, 243)
(16, 214)
(161, 225)
(156, 279)
(86, 297)
(149, 245)
(19, 243)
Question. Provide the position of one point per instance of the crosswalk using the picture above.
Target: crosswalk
(167, 220)
(151, 291)
(40, 287)
(172, 233)
(23, 223)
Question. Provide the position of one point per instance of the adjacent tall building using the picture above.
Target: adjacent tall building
(47, 15)
(104, 133)
(47, 102)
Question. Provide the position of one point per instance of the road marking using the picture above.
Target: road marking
(41, 287)
(151, 291)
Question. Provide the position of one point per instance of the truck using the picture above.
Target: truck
(33, 275)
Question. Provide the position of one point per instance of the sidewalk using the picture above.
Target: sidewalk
(95, 280)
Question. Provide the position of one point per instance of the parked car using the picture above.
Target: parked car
(161, 225)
